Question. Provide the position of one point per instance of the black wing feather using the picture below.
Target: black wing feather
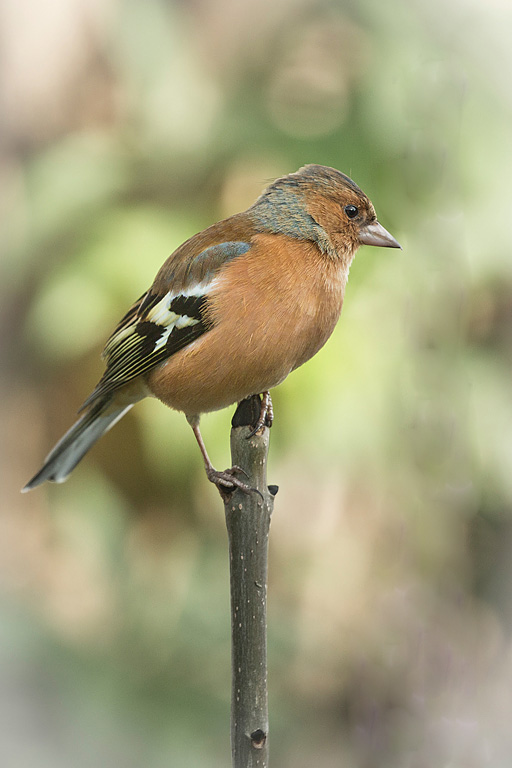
(133, 349)
(160, 324)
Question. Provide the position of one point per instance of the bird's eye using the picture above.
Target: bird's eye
(351, 211)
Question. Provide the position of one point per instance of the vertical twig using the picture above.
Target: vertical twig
(248, 521)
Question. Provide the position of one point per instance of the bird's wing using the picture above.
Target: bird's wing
(168, 317)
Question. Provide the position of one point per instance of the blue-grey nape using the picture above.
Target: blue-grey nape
(280, 210)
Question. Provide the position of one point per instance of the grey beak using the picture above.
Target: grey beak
(375, 234)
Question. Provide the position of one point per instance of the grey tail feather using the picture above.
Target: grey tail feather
(76, 442)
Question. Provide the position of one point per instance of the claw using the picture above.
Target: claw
(226, 481)
(236, 468)
(266, 416)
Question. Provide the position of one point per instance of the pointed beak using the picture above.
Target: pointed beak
(375, 234)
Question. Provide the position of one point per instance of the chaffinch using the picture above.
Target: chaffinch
(232, 311)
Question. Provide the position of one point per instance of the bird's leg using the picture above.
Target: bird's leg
(226, 480)
(266, 416)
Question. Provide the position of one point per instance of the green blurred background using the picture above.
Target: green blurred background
(127, 127)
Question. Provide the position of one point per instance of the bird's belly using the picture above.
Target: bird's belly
(197, 381)
(262, 329)
(226, 365)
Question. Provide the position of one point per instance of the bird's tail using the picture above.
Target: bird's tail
(76, 442)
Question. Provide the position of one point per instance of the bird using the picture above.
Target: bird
(232, 312)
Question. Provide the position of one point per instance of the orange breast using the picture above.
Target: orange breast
(272, 310)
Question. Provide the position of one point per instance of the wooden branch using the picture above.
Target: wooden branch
(248, 522)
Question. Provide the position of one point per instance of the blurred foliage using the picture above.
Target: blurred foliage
(126, 128)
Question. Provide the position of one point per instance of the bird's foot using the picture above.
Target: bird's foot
(266, 416)
(226, 481)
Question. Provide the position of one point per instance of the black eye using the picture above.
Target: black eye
(351, 211)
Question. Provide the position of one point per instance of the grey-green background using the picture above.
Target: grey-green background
(127, 127)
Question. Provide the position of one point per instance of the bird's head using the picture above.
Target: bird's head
(324, 205)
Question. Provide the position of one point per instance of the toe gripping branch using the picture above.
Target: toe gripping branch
(256, 412)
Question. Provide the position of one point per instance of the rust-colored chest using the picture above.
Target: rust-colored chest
(271, 310)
